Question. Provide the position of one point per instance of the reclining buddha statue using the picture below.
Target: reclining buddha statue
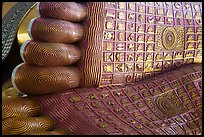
(98, 68)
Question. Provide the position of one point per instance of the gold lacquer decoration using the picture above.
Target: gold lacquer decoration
(150, 10)
(139, 47)
(131, 26)
(120, 36)
(150, 30)
(199, 30)
(130, 57)
(159, 57)
(190, 38)
(108, 68)
(150, 39)
(139, 58)
(169, 20)
(159, 3)
(196, 7)
(120, 47)
(198, 57)
(75, 99)
(109, 46)
(131, 37)
(108, 57)
(121, 26)
(131, 16)
(197, 15)
(190, 46)
(159, 20)
(178, 14)
(150, 19)
(141, 9)
(112, 15)
(199, 38)
(178, 55)
(140, 39)
(170, 37)
(120, 67)
(111, 3)
(121, 15)
(131, 6)
(121, 5)
(149, 47)
(188, 15)
(189, 54)
(140, 29)
(159, 11)
(131, 46)
(109, 25)
(168, 4)
(148, 67)
(108, 35)
(148, 57)
(167, 57)
(140, 18)
(169, 13)
(199, 45)
(190, 31)
(118, 57)
(187, 5)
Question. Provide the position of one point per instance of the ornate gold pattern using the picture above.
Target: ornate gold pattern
(154, 42)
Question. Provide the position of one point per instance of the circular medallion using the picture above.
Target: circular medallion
(166, 106)
(169, 38)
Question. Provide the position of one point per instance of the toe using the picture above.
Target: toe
(23, 107)
(43, 80)
(19, 125)
(70, 11)
(54, 30)
(49, 54)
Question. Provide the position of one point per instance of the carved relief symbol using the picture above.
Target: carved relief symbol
(140, 18)
(121, 5)
(141, 9)
(108, 35)
(121, 26)
(131, 46)
(118, 57)
(121, 15)
(109, 25)
(120, 36)
(108, 57)
(131, 16)
(196, 7)
(120, 67)
(131, 6)
(150, 10)
(187, 6)
(159, 11)
(131, 26)
(112, 15)
(150, 19)
(120, 47)
(131, 37)
(109, 46)
(108, 68)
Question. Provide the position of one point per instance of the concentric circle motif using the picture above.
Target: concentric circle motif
(169, 38)
(166, 106)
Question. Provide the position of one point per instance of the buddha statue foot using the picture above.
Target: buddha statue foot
(168, 104)
(108, 43)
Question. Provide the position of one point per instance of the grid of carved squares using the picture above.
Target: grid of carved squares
(127, 110)
(131, 48)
